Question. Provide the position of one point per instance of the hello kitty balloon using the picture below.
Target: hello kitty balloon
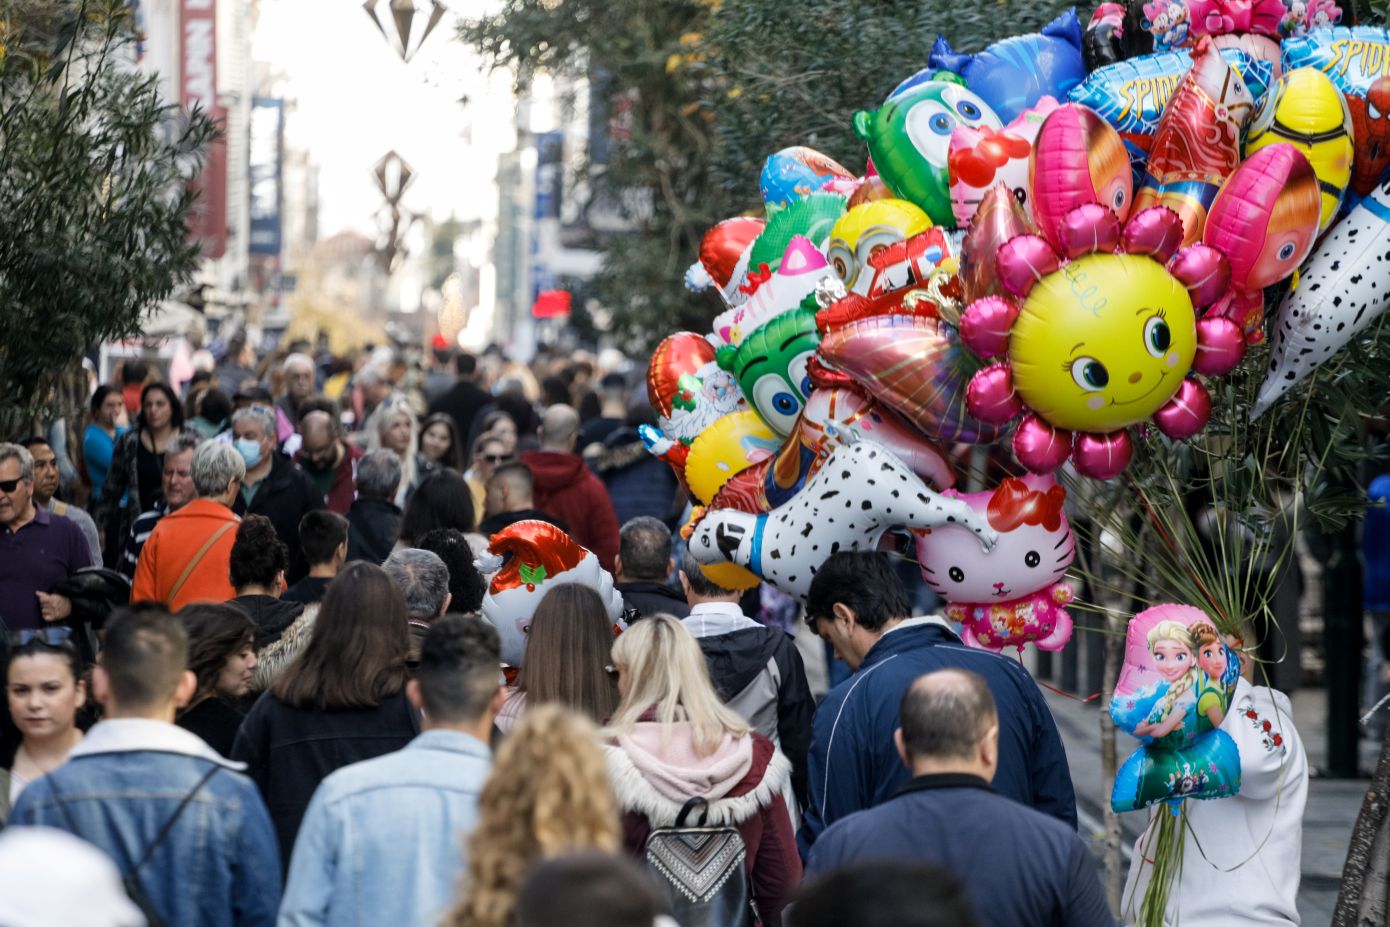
(1013, 594)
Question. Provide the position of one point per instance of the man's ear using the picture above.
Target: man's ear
(902, 747)
(341, 553)
(188, 687)
(617, 565)
(412, 695)
(444, 609)
(670, 566)
(989, 747)
(685, 584)
(101, 685)
(844, 614)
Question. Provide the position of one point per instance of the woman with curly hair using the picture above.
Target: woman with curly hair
(672, 739)
(548, 795)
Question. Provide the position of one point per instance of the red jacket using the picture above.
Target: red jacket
(566, 489)
(343, 489)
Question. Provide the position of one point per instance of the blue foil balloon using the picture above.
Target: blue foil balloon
(1013, 74)
(795, 172)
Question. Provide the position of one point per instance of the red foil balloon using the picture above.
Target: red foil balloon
(1197, 145)
(678, 355)
(914, 365)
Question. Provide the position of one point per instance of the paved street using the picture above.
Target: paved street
(1327, 823)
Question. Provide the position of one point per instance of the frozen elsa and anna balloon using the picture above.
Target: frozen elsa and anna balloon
(1173, 693)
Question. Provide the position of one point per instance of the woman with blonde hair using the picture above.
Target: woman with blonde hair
(672, 739)
(396, 429)
(547, 795)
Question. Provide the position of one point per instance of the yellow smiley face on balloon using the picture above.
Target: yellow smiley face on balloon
(1103, 343)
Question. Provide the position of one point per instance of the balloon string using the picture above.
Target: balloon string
(1075, 698)
(1168, 540)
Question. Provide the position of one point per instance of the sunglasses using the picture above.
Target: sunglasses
(496, 458)
(10, 485)
(50, 637)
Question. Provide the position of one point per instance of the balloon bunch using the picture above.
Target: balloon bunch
(1055, 243)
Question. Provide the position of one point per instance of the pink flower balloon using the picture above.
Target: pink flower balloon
(1103, 457)
(1040, 447)
(990, 397)
(1220, 346)
(1186, 413)
(986, 329)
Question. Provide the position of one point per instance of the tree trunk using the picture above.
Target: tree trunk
(1363, 899)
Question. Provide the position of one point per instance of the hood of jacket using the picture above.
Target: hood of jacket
(272, 615)
(620, 450)
(553, 470)
(737, 658)
(655, 772)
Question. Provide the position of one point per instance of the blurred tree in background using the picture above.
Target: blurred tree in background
(93, 172)
(707, 90)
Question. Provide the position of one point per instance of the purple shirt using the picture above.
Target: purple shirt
(36, 558)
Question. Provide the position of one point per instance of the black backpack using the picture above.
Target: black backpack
(701, 870)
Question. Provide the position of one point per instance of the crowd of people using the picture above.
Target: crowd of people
(246, 663)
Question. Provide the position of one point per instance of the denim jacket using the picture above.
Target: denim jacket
(217, 867)
(382, 841)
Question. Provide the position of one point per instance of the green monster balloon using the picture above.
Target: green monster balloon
(770, 366)
(909, 138)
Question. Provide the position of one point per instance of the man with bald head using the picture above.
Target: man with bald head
(324, 455)
(948, 814)
(566, 489)
(510, 498)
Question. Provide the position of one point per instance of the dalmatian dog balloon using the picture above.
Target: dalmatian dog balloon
(849, 504)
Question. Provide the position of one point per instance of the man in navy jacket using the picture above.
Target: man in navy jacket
(947, 814)
(857, 603)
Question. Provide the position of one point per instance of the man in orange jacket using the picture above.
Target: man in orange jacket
(188, 555)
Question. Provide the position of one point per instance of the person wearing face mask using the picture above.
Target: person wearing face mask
(178, 492)
(323, 454)
(187, 557)
(275, 486)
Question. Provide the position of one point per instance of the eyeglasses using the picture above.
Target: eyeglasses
(10, 485)
(51, 637)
